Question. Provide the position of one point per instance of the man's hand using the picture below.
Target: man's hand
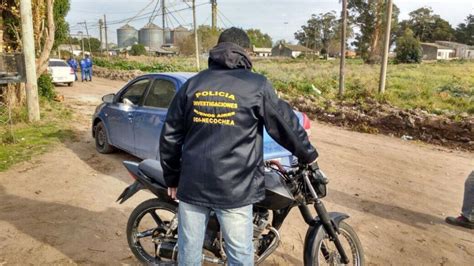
(172, 192)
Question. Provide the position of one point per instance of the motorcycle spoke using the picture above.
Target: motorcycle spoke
(157, 219)
(146, 233)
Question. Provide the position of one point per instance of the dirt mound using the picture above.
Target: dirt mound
(124, 75)
(372, 117)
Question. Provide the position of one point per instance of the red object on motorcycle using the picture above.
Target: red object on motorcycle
(306, 124)
(132, 175)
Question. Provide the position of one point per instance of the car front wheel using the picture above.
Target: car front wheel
(101, 141)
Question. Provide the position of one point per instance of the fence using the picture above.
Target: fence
(12, 70)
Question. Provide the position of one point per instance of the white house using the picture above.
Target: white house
(261, 51)
(434, 51)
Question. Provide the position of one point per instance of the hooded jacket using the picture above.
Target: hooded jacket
(211, 144)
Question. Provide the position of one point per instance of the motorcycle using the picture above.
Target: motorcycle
(152, 229)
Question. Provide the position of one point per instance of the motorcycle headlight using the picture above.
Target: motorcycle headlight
(319, 181)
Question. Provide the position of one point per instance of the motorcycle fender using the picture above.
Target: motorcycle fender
(130, 191)
(313, 230)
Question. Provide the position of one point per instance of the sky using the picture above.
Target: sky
(280, 19)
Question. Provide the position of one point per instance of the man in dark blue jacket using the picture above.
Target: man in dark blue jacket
(72, 62)
(211, 148)
(84, 69)
(89, 67)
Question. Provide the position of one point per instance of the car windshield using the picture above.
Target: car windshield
(58, 64)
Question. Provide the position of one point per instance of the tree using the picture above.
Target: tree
(138, 49)
(259, 39)
(46, 13)
(427, 27)
(60, 10)
(408, 48)
(94, 42)
(465, 31)
(207, 38)
(319, 31)
(368, 16)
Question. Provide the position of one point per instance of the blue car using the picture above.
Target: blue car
(131, 120)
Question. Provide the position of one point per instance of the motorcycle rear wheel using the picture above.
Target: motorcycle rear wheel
(325, 253)
(146, 218)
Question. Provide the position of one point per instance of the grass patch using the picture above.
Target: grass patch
(27, 140)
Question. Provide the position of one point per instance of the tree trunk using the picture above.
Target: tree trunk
(42, 61)
(14, 95)
(374, 55)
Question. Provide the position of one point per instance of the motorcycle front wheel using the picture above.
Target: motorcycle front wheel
(325, 253)
(148, 224)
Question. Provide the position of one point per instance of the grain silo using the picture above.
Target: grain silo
(151, 36)
(179, 34)
(126, 36)
(168, 36)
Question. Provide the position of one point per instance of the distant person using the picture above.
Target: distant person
(84, 69)
(72, 62)
(466, 219)
(89, 67)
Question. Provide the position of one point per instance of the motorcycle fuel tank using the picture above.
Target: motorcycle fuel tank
(277, 194)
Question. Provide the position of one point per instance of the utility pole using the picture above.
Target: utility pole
(383, 70)
(343, 47)
(196, 44)
(80, 33)
(88, 36)
(105, 33)
(101, 25)
(214, 14)
(30, 64)
(163, 19)
(70, 44)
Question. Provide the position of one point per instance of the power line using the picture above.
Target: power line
(143, 9)
(222, 14)
(144, 15)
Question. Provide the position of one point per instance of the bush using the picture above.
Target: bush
(408, 48)
(46, 87)
(138, 49)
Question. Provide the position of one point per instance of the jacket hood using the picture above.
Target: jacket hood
(229, 55)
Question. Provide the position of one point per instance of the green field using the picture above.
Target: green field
(437, 87)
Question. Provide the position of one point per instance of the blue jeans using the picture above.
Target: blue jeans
(468, 203)
(89, 72)
(236, 226)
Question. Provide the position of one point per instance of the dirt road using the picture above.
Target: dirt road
(60, 207)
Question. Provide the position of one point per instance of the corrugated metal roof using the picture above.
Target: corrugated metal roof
(127, 27)
(436, 45)
(296, 47)
(151, 25)
(180, 28)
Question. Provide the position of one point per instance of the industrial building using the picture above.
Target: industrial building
(150, 36)
(127, 36)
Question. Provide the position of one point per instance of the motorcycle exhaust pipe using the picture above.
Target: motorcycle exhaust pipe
(169, 250)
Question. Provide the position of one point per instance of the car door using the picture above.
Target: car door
(149, 117)
(120, 114)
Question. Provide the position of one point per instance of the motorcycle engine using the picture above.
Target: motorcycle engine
(260, 222)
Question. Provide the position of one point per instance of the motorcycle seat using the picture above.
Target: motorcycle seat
(152, 169)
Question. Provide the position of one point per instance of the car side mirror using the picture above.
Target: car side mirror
(109, 98)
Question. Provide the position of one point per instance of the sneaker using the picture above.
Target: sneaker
(460, 221)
